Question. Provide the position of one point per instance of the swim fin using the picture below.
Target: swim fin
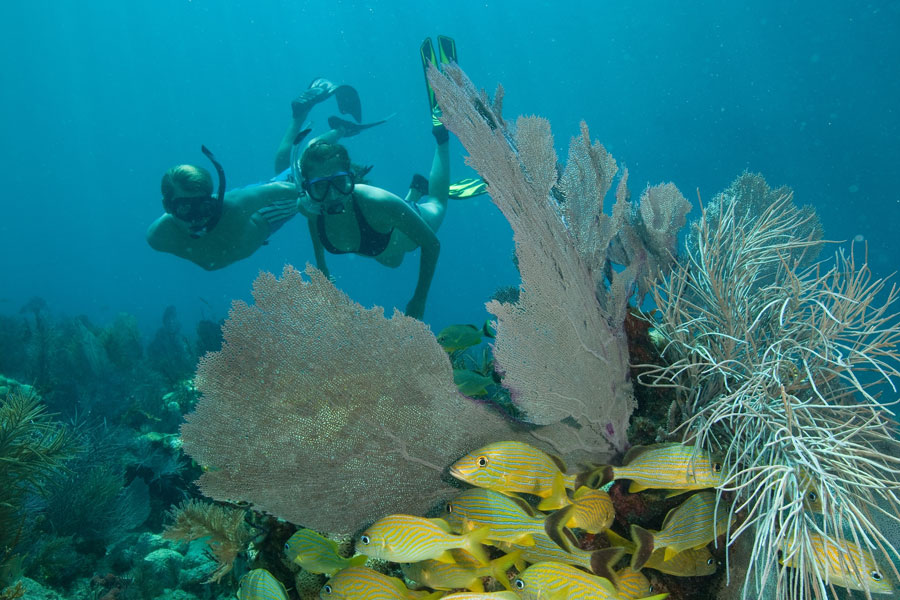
(426, 52)
(447, 49)
(468, 188)
(349, 128)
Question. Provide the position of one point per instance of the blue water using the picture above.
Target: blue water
(98, 98)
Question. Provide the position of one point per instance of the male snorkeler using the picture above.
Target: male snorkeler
(349, 217)
(215, 230)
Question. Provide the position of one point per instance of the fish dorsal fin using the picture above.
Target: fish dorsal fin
(670, 553)
(581, 492)
(524, 506)
(670, 515)
(634, 453)
(560, 464)
(442, 524)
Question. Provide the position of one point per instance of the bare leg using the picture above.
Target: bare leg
(434, 208)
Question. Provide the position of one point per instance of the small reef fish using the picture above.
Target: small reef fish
(408, 539)
(546, 550)
(318, 554)
(353, 583)
(510, 467)
(842, 561)
(482, 596)
(592, 510)
(674, 467)
(259, 584)
(558, 581)
(472, 384)
(460, 337)
(465, 573)
(692, 524)
(509, 518)
(632, 584)
(693, 562)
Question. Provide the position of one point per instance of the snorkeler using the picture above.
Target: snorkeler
(349, 217)
(214, 230)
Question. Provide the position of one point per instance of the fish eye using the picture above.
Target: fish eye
(520, 585)
(709, 561)
(650, 589)
(365, 539)
(812, 496)
(482, 461)
(326, 588)
(875, 575)
(717, 467)
(286, 546)
(449, 508)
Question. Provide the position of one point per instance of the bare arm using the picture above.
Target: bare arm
(250, 200)
(415, 228)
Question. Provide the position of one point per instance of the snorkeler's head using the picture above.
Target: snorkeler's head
(327, 178)
(188, 196)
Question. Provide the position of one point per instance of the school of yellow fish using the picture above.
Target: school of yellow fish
(443, 556)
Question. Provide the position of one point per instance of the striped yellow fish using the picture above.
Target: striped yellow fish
(546, 550)
(407, 539)
(632, 584)
(318, 554)
(558, 581)
(482, 596)
(259, 584)
(673, 467)
(592, 510)
(510, 467)
(466, 573)
(692, 524)
(842, 562)
(354, 583)
(693, 562)
(510, 518)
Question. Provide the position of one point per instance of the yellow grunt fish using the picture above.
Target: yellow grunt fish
(459, 337)
(510, 467)
(466, 573)
(632, 584)
(361, 582)
(407, 539)
(558, 581)
(842, 562)
(259, 584)
(318, 554)
(509, 518)
(693, 562)
(482, 596)
(673, 467)
(692, 524)
(592, 510)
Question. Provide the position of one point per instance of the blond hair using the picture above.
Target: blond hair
(195, 181)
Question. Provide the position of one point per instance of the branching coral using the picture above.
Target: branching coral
(225, 531)
(777, 367)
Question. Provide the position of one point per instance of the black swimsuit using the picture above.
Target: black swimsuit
(371, 242)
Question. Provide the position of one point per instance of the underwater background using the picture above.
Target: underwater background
(99, 98)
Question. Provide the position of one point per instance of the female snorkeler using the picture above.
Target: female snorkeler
(349, 217)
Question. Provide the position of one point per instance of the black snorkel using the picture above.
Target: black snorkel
(218, 199)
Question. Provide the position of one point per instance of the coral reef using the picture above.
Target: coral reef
(778, 366)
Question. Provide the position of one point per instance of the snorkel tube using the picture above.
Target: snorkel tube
(296, 153)
(218, 200)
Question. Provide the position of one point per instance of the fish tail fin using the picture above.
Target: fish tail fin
(473, 543)
(557, 497)
(499, 567)
(643, 541)
(556, 524)
(595, 477)
(602, 562)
